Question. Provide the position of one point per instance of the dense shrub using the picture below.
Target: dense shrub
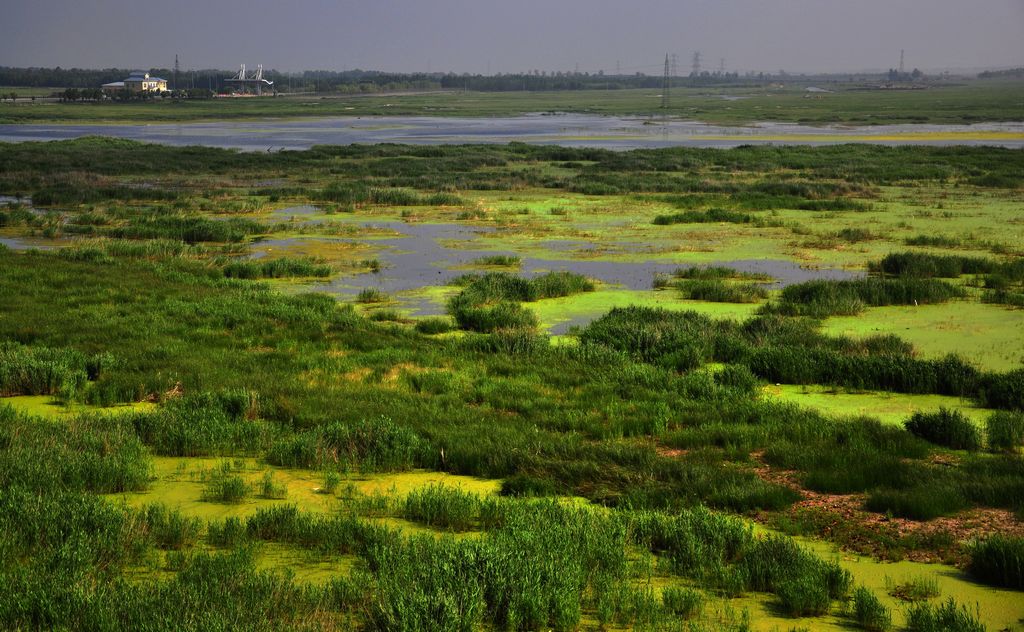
(1005, 430)
(998, 560)
(433, 325)
(949, 428)
(373, 445)
(923, 502)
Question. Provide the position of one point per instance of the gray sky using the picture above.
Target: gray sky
(513, 35)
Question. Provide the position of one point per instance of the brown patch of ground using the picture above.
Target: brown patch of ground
(842, 518)
(396, 371)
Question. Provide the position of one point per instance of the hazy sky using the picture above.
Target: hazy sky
(513, 35)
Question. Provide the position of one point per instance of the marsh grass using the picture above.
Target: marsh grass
(720, 291)
(499, 260)
(823, 298)
(490, 302)
(170, 529)
(1005, 431)
(947, 617)
(277, 268)
(443, 507)
(919, 588)
(868, 612)
(433, 325)
(371, 295)
(223, 484)
(998, 560)
(949, 428)
(270, 488)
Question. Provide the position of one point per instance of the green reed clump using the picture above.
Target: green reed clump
(696, 542)
(925, 265)
(821, 298)
(1005, 431)
(947, 617)
(503, 315)
(433, 325)
(187, 228)
(777, 562)
(227, 534)
(855, 235)
(373, 445)
(935, 241)
(868, 612)
(682, 602)
(737, 377)
(650, 333)
(920, 502)
(277, 268)
(699, 217)
(84, 453)
(716, 272)
(916, 589)
(947, 427)
(442, 506)
(426, 584)
(203, 424)
(1003, 390)
(386, 316)
(998, 560)
(835, 204)
(499, 260)
(170, 529)
(224, 485)
(371, 295)
(270, 488)
(208, 591)
(36, 370)
(719, 291)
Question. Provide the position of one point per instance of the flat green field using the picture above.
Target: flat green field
(511, 387)
(970, 102)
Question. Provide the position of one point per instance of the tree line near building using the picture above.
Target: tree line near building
(368, 81)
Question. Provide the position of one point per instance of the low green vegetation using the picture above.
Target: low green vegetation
(466, 471)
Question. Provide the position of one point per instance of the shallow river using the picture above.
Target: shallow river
(562, 129)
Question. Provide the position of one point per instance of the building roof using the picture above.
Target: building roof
(114, 84)
(139, 75)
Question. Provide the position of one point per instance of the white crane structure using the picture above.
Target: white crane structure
(253, 80)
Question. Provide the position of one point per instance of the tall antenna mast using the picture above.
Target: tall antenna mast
(666, 85)
(901, 61)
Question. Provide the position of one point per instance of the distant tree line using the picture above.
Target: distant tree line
(1011, 73)
(370, 81)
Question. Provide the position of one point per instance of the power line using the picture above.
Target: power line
(666, 85)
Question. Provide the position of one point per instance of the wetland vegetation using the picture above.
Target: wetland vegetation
(425, 456)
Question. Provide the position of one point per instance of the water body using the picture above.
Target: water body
(429, 255)
(574, 130)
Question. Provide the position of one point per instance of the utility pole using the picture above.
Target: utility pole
(901, 61)
(175, 73)
(666, 85)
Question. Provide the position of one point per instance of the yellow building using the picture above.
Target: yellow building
(138, 81)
